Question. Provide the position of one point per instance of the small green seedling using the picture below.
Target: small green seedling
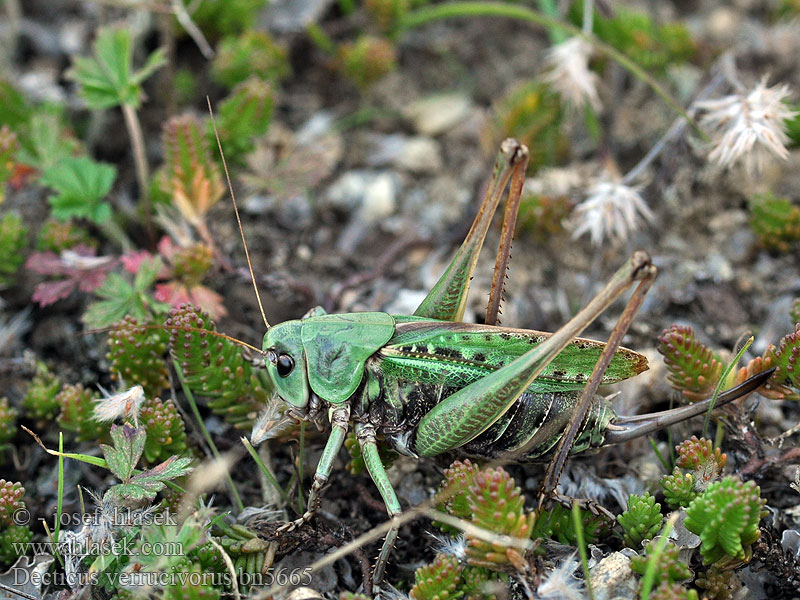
(431, 384)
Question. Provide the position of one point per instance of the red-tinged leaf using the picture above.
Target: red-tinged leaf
(167, 248)
(173, 293)
(132, 260)
(205, 298)
(45, 263)
(92, 280)
(49, 292)
(79, 267)
(209, 300)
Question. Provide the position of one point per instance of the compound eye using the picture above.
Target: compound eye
(284, 365)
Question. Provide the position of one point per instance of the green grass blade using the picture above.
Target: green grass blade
(578, 525)
(207, 436)
(650, 572)
(267, 473)
(722, 381)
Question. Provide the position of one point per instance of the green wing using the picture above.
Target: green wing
(456, 354)
(336, 348)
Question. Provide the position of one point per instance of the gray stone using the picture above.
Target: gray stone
(613, 578)
(435, 115)
(292, 16)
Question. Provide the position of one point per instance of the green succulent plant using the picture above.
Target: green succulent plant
(366, 60)
(251, 54)
(636, 34)
(11, 539)
(641, 521)
(726, 517)
(166, 431)
(190, 176)
(668, 567)
(718, 584)
(56, 236)
(672, 591)
(8, 422)
(9, 144)
(693, 368)
(497, 505)
(245, 115)
(13, 239)
(775, 220)
(532, 113)
(557, 523)
(387, 13)
(40, 401)
(678, 489)
(705, 462)
(137, 356)
(452, 497)
(13, 535)
(217, 18)
(11, 493)
(213, 367)
(785, 357)
(440, 580)
(77, 413)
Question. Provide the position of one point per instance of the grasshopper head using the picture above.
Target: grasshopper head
(286, 362)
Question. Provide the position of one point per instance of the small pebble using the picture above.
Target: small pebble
(435, 115)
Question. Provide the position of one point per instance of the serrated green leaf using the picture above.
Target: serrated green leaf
(156, 59)
(120, 300)
(172, 468)
(113, 51)
(81, 184)
(45, 145)
(128, 445)
(148, 271)
(107, 79)
(145, 485)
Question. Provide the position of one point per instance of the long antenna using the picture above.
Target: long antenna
(182, 328)
(236, 210)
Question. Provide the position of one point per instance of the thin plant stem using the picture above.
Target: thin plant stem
(321, 39)
(649, 578)
(59, 499)
(207, 436)
(660, 458)
(549, 8)
(113, 231)
(588, 16)
(140, 162)
(477, 8)
(578, 525)
(191, 28)
(723, 381)
(264, 469)
(674, 131)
